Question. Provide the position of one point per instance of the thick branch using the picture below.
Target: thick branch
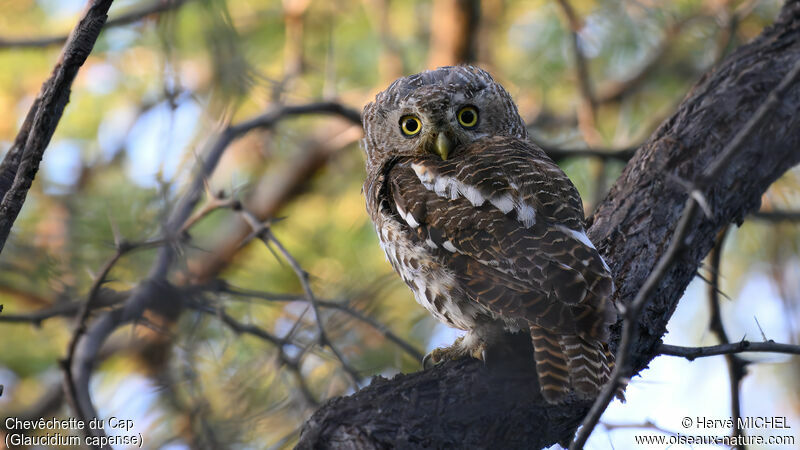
(461, 404)
(21, 163)
(679, 240)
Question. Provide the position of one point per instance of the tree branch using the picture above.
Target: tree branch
(559, 154)
(777, 216)
(587, 111)
(696, 199)
(737, 367)
(339, 306)
(265, 234)
(692, 353)
(155, 292)
(21, 163)
(135, 15)
(463, 404)
(293, 364)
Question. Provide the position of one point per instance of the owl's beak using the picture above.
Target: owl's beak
(443, 146)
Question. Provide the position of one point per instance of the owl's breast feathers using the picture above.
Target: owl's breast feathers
(508, 224)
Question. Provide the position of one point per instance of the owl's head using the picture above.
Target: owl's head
(436, 112)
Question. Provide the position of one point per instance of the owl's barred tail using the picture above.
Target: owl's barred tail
(551, 364)
(565, 362)
(588, 367)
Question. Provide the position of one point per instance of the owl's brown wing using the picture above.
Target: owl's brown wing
(509, 224)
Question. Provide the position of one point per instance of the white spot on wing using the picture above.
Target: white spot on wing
(400, 209)
(504, 203)
(526, 214)
(447, 187)
(450, 187)
(449, 246)
(579, 235)
(411, 221)
(471, 193)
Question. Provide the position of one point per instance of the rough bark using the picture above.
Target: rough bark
(465, 405)
(21, 163)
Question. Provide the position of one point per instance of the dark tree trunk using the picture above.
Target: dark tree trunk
(464, 405)
(454, 29)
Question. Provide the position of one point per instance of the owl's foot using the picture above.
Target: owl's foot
(461, 347)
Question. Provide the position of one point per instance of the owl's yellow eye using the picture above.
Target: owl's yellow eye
(468, 116)
(410, 125)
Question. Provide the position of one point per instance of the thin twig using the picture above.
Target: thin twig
(616, 91)
(646, 425)
(69, 309)
(267, 237)
(777, 216)
(737, 367)
(692, 353)
(155, 7)
(558, 154)
(340, 306)
(253, 330)
(621, 370)
(587, 110)
(213, 203)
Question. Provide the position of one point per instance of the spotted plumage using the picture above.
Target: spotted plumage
(486, 230)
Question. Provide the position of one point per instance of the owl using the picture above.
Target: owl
(486, 230)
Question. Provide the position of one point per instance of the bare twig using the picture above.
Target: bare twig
(135, 15)
(588, 109)
(233, 132)
(241, 328)
(70, 388)
(558, 154)
(621, 370)
(68, 309)
(692, 353)
(21, 163)
(777, 216)
(213, 203)
(618, 90)
(737, 367)
(264, 233)
(340, 306)
(646, 425)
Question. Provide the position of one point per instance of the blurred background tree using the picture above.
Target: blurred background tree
(232, 351)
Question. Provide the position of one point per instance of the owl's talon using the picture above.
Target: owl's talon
(454, 352)
(434, 358)
(427, 362)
